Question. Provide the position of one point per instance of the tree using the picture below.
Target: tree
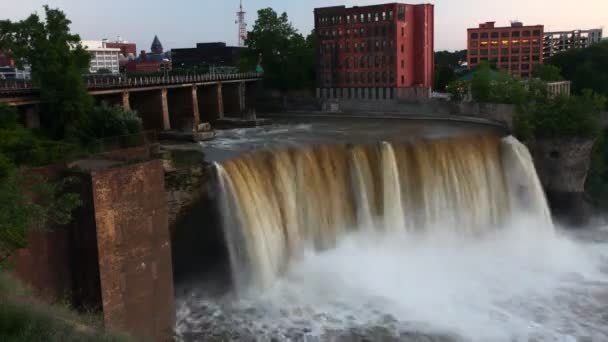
(57, 61)
(288, 58)
(586, 68)
(27, 201)
(547, 73)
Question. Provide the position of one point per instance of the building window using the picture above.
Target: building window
(383, 16)
(402, 64)
(384, 76)
(526, 33)
(505, 34)
(514, 59)
(536, 58)
(484, 52)
(362, 46)
(504, 51)
(536, 33)
(525, 50)
(474, 52)
(402, 31)
(474, 60)
(516, 34)
(377, 61)
(525, 58)
(402, 80)
(376, 16)
(514, 66)
(348, 33)
(362, 62)
(362, 17)
(390, 15)
(348, 19)
(474, 43)
(362, 32)
(514, 50)
(377, 78)
(369, 17)
(494, 35)
(402, 48)
(369, 77)
(474, 35)
(536, 49)
(493, 52)
(525, 67)
(484, 35)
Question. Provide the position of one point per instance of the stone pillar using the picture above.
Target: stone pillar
(366, 93)
(220, 101)
(134, 250)
(165, 110)
(318, 91)
(380, 94)
(125, 100)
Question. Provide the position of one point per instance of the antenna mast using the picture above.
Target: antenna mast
(240, 15)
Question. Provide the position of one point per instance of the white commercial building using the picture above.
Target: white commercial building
(102, 58)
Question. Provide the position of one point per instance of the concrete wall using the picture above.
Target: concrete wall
(134, 250)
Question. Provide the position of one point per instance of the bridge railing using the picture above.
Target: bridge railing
(135, 81)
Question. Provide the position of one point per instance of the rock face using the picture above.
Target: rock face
(563, 165)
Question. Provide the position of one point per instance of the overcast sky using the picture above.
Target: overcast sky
(183, 23)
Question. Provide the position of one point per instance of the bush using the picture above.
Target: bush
(21, 319)
(110, 121)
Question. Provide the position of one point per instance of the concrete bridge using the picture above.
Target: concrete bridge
(178, 103)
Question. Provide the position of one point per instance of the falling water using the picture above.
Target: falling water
(278, 204)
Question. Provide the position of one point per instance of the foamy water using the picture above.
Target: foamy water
(506, 286)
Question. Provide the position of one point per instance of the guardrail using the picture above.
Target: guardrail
(109, 82)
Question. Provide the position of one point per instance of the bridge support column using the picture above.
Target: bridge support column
(125, 101)
(183, 106)
(318, 93)
(153, 108)
(252, 91)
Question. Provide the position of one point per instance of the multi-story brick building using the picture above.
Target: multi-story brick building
(371, 52)
(516, 48)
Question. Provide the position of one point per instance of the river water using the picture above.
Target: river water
(479, 261)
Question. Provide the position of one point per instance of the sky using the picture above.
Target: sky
(183, 23)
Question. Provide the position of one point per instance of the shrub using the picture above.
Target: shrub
(110, 121)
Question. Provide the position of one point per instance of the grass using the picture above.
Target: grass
(23, 318)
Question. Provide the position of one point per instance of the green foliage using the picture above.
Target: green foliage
(22, 319)
(492, 86)
(547, 73)
(28, 201)
(288, 57)
(451, 59)
(110, 121)
(57, 60)
(586, 68)
(458, 90)
(446, 67)
(563, 116)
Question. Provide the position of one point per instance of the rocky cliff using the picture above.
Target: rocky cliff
(563, 165)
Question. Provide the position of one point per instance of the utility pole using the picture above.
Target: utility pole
(240, 16)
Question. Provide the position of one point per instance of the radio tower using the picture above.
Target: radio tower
(240, 15)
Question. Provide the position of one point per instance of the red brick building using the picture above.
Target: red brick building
(126, 49)
(516, 48)
(373, 51)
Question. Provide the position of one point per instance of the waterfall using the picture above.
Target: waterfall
(277, 204)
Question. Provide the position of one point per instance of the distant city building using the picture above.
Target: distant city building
(374, 49)
(128, 50)
(516, 48)
(156, 47)
(556, 42)
(206, 55)
(102, 57)
(150, 62)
